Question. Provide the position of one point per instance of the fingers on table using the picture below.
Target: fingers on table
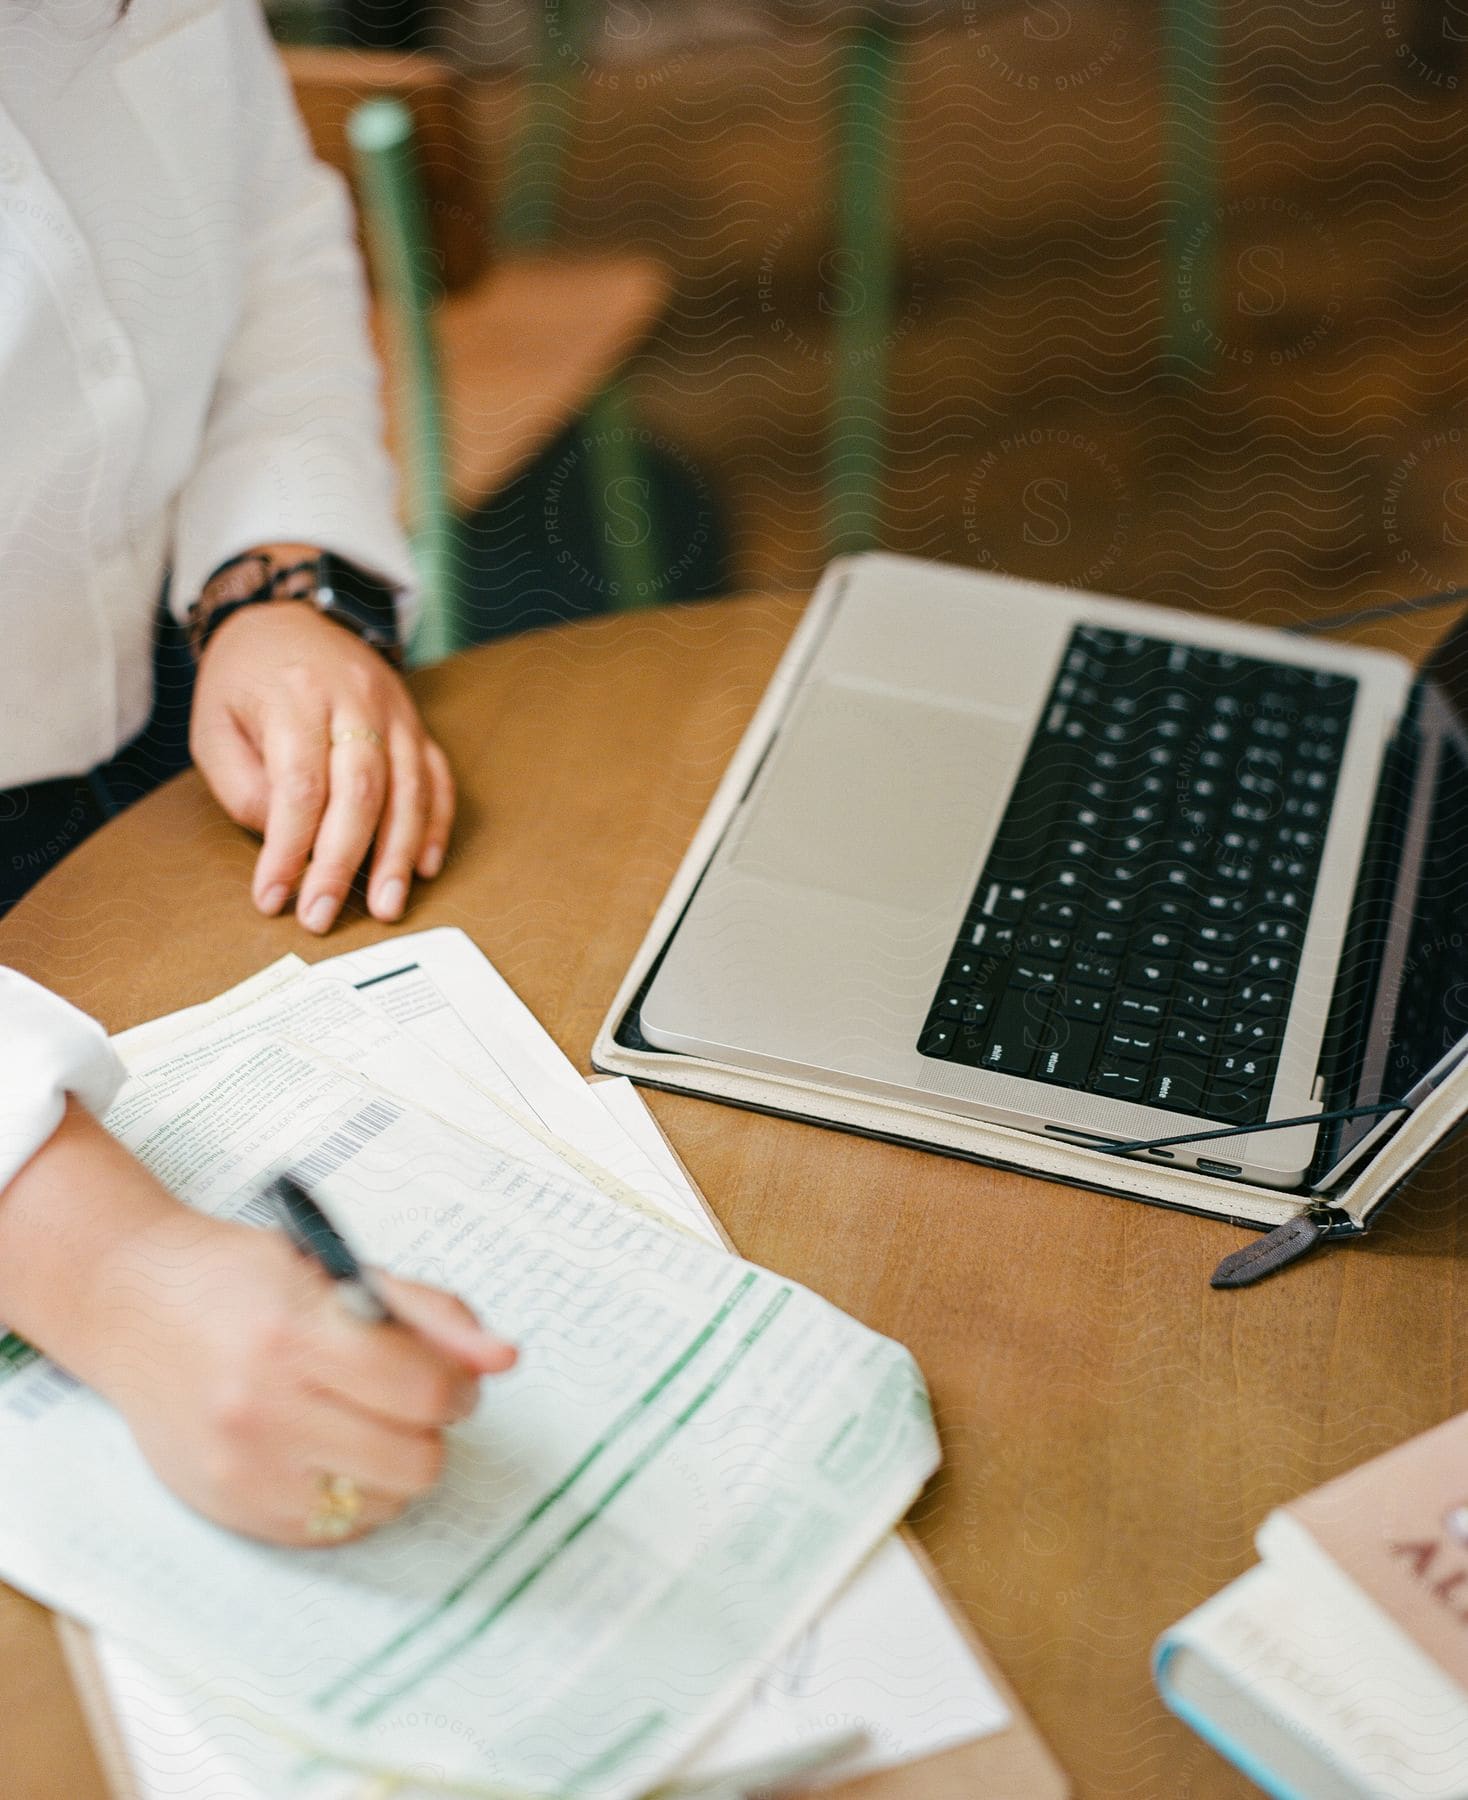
(404, 825)
(358, 779)
(334, 790)
(442, 803)
(231, 764)
(296, 767)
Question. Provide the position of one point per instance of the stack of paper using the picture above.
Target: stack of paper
(615, 1585)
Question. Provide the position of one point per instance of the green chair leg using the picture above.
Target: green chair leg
(621, 489)
(619, 483)
(381, 134)
(1190, 272)
(862, 305)
(547, 121)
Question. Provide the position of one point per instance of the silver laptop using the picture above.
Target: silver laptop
(1072, 864)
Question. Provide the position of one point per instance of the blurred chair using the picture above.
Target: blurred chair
(865, 150)
(864, 177)
(1190, 150)
(527, 221)
(490, 358)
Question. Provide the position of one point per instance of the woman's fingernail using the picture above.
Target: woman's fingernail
(273, 898)
(392, 896)
(432, 861)
(319, 913)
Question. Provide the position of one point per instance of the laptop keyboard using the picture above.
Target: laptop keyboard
(1137, 929)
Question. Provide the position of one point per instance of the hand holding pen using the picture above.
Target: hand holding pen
(449, 1359)
(256, 1395)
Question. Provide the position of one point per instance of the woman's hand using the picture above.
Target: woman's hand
(244, 1382)
(242, 1379)
(308, 737)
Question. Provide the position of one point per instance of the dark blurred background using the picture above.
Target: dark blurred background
(1172, 300)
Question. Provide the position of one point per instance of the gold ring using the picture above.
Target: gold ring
(337, 1509)
(357, 734)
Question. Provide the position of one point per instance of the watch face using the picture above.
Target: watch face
(358, 599)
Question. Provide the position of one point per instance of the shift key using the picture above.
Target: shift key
(1019, 1025)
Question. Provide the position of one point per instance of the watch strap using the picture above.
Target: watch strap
(254, 578)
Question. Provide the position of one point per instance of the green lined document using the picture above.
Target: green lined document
(690, 1458)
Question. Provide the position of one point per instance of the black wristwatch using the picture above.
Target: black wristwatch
(335, 587)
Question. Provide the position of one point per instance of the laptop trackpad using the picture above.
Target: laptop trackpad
(880, 797)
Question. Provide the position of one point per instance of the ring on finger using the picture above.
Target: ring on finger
(357, 734)
(336, 1509)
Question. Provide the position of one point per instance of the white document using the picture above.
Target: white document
(691, 1457)
(884, 1660)
(450, 998)
(885, 1664)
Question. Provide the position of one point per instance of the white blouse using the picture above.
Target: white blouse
(184, 372)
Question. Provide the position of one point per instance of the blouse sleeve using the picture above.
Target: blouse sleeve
(292, 449)
(47, 1050)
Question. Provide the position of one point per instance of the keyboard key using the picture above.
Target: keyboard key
(950, 1002)
(1139, 1009)
(1132, 1042)
(1030, 972)
(1252, 1033)
(937, 1038)
(1045, 943)
(1186, 1038)
(1177, 1084)
(1262, 997)
(1107, 939)
(1093, 971)
(1090, 1004)
(1201, 1002)
(1243, 1069)
(1169, 909)
(968, 968)
(1148, 975)
(1069, 1059)
(976, 1008)
(1062, 915)
(1019, 1025)
(1286, 901)
(1005, 905)
(1207, 968)
(1120, 1080)
(1235, 1106)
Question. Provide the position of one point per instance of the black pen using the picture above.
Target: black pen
(317, 1239)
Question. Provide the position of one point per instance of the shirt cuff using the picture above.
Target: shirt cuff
(47, 1050)
(213, 531)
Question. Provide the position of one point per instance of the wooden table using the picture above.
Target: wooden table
(1114, 1430)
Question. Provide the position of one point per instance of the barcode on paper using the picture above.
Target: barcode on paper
(329, 1154)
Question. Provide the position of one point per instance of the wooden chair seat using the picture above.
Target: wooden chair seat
(523, 348)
